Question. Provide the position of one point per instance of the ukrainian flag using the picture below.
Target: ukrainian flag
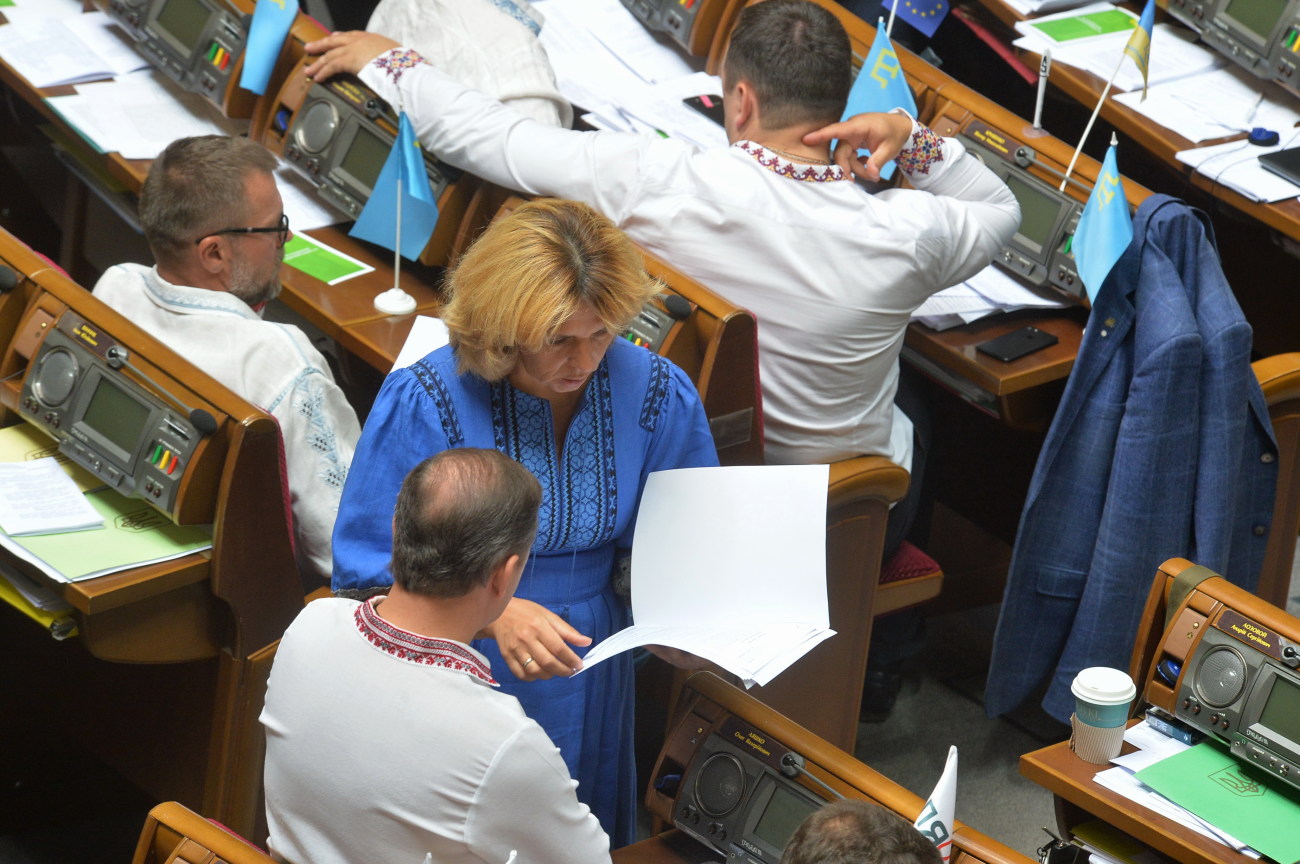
(1105, 228)
(1139, 44)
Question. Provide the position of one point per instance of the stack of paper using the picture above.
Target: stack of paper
(988, 292)
(139, 114)
(1093, 38)
(1153, 747)
(37, 497)
(49, 51)
(1215, 103)
(134, 534)
(1235, 164)
(625, 78)
(729, 564)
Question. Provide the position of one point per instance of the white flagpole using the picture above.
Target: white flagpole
(1091, 120)
(395, 301)
(889, 28)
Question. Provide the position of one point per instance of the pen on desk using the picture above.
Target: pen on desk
(1044, 69)
(1249, 119)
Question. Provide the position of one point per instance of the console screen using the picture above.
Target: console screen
(1281, 712)
(116, 416)
(183, 21)
(1038, 212)
(781, 816)
(365, 158)
(1257, 16)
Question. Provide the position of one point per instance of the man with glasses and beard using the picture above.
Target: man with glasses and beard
(215, 223)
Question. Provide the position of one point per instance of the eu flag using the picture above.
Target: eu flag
(924, 15)
(419, 212)
(880, 85)
(1139, 44)
(1105, 228)
(271, 22)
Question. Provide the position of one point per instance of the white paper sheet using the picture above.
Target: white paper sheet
(427, 334)
(730, 564)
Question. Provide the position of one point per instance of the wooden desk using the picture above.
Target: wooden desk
(1078, 799)
(1084, 87)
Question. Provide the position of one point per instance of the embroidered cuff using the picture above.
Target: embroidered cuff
(397, 61)
(922, 152)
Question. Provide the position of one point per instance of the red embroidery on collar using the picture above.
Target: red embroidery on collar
(413, 648)
(794, 170)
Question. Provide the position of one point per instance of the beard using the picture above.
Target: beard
(252, 288)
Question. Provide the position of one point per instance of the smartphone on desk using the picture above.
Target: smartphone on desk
(709, 106)
(1016, 344)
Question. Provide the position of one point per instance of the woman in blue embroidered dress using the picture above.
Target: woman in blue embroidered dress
(536, 369)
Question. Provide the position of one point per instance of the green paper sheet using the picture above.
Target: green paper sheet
(316, 259)
(1241, 799)
(1086, 26)
(134, 533)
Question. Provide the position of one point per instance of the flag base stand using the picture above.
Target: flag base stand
(395, 301)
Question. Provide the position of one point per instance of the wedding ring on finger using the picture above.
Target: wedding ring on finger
(527, 660)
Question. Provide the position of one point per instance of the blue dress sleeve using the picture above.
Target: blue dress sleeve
(402, 429)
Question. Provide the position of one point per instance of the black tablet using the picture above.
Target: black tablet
(1284, 163)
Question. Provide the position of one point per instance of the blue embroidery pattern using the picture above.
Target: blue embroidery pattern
(397, 61)
(922, 153)
(794, 170)
(580, 496)
(433, 385)
(518, 14)
(414, 648)
(656, 394)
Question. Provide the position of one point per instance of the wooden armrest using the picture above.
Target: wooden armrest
(865, 477)
(170, 825)
(1279, 376)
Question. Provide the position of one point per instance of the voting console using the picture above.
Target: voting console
(735, 778)
(166, 677)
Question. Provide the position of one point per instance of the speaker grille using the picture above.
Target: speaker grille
(1221, 677)
(720, 784)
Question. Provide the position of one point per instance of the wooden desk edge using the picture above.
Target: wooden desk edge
(1058, 770)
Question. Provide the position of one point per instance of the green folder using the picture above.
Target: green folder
(1086, 26)
(1242, 799)
(134, 534)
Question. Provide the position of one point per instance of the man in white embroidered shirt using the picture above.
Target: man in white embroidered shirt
(832, 271)
(384, 738)
(215, 223)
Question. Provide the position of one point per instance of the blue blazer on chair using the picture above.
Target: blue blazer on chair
(1161, 447)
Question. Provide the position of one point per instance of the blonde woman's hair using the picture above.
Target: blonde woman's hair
(529, 273)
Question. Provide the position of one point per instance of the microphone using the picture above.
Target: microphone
(677, 306)
(8, 279)
(792, 766)
(203, 421)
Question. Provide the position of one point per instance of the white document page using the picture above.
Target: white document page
(25, 10)
(730, 564)
(1215, 104)
(47, 52)
(652, 58)
(38, 497)
(427, 334)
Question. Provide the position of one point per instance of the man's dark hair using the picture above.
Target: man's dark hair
(858, 832)
(460, 515)
(197, 185)
(796, 56)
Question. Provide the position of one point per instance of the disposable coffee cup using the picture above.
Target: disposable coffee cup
(1102, 697)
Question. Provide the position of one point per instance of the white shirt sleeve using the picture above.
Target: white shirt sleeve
(527, 803)
(476, 133)
(973, 213)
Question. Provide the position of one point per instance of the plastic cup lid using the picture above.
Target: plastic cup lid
(1102, 685)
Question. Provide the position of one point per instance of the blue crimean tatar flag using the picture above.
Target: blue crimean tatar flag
(924, 15)
(1105, 228)
(378, 221)
(880, 86)
(272, 20)
(1139, 44)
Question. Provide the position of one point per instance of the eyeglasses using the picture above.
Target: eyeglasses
(280, 229)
